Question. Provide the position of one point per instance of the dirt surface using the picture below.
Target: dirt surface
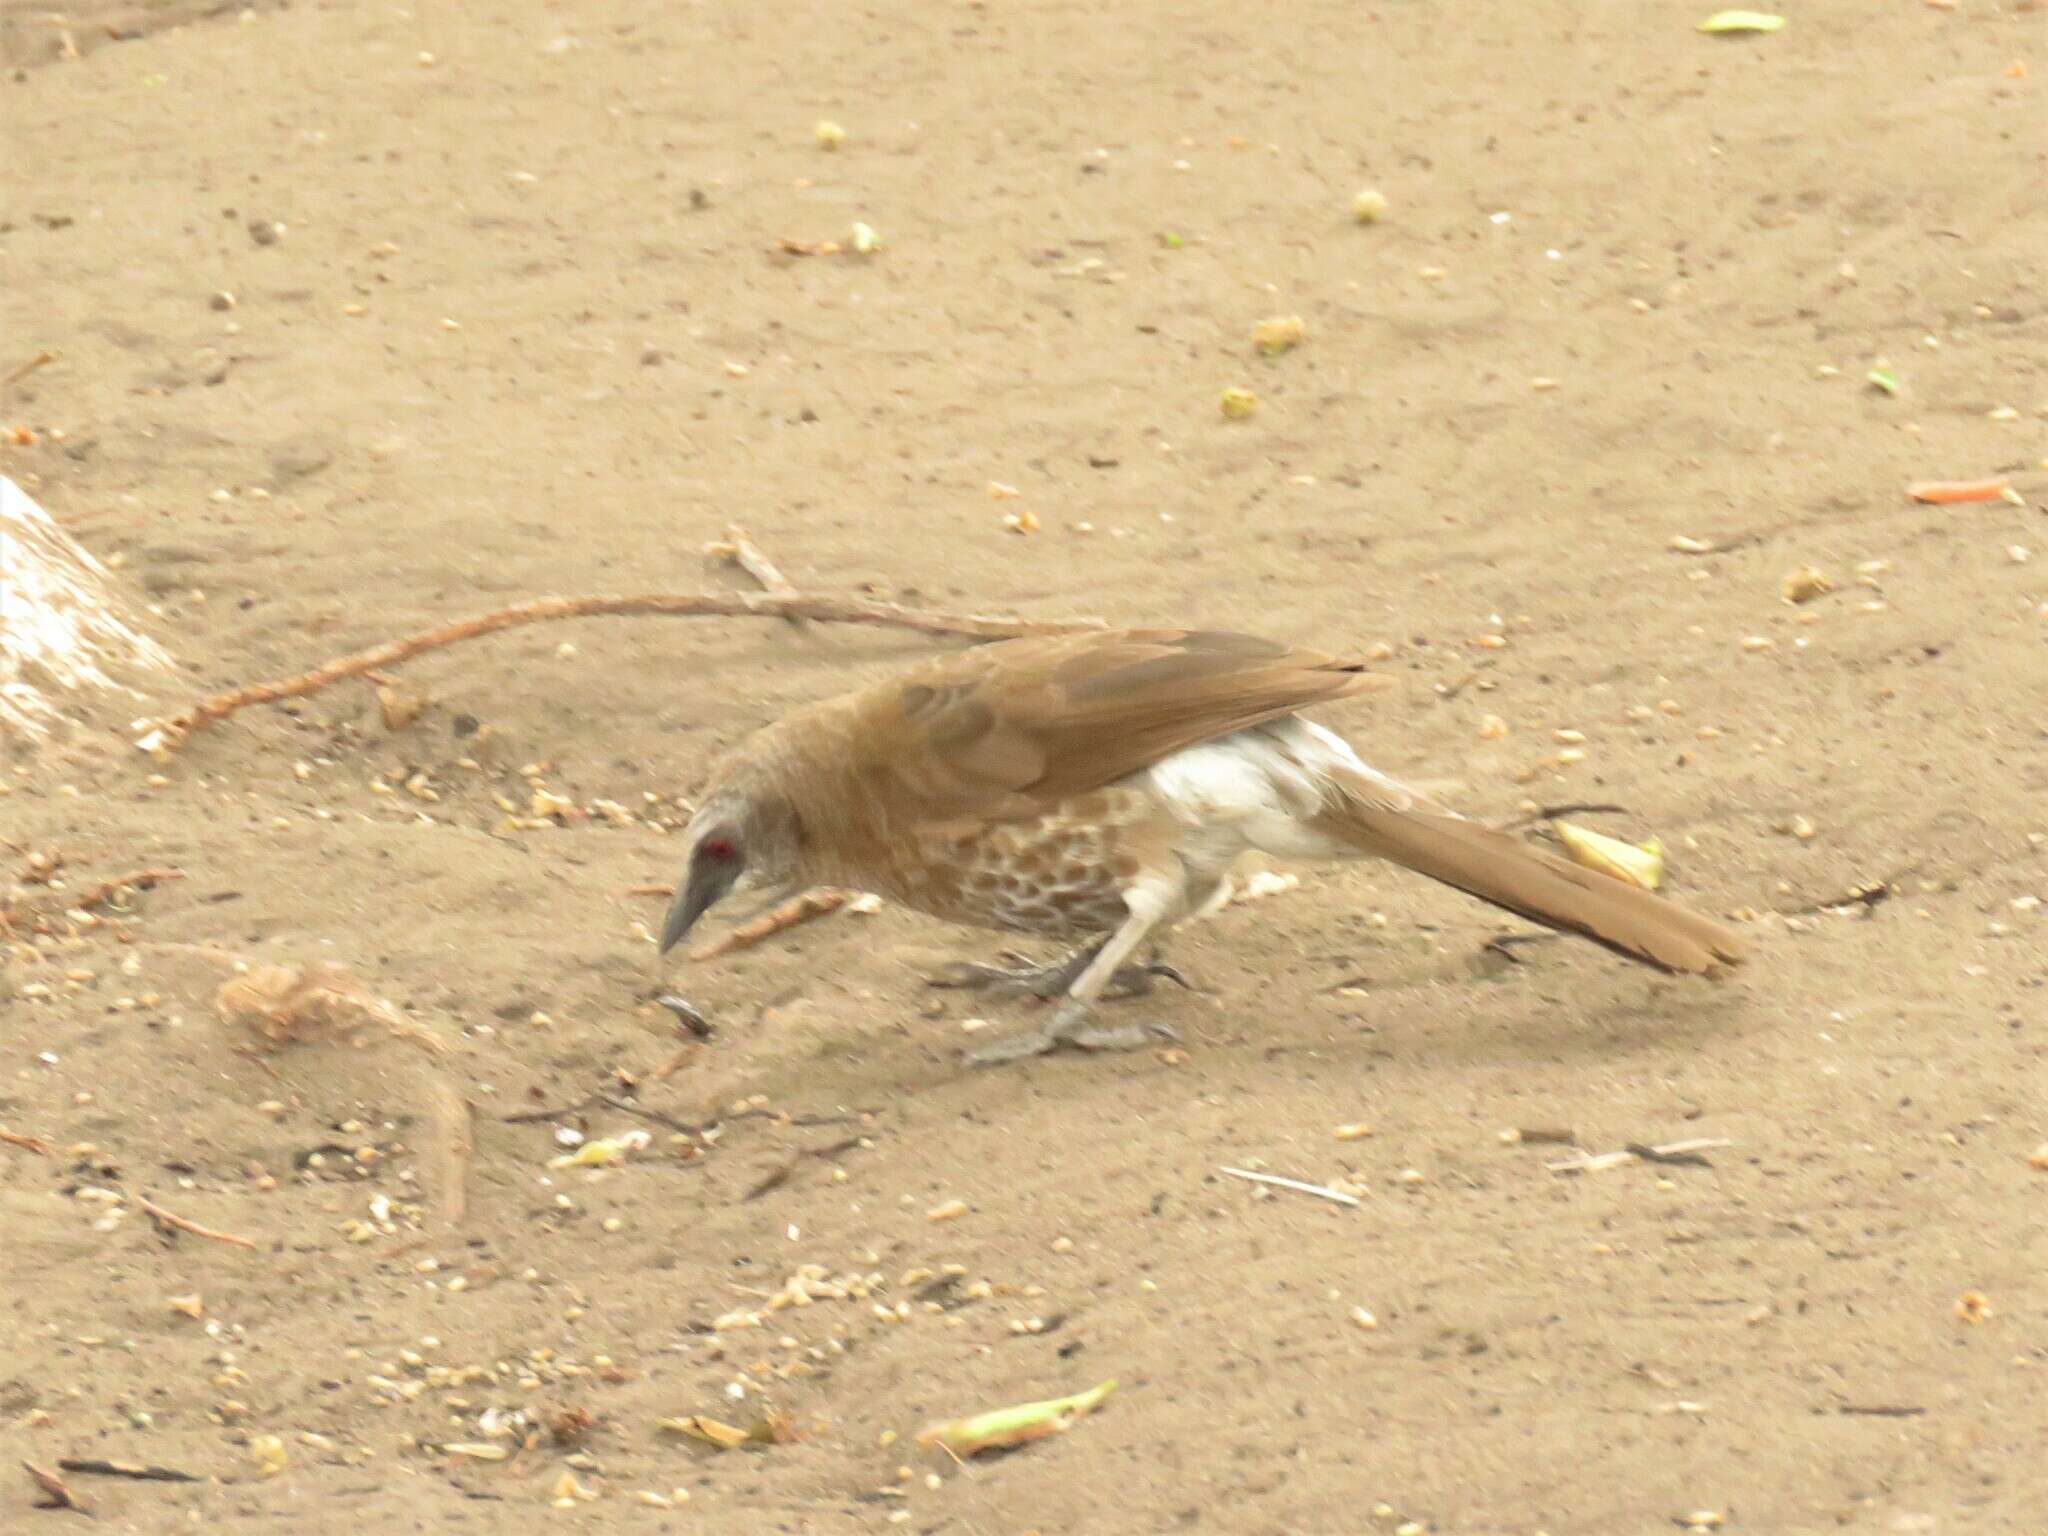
(526, 329)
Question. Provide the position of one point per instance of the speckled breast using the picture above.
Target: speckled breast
(1061, 874)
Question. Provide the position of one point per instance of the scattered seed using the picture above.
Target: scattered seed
(268, 1455)
(1280, 334)
(1973, 1307)
(1805, 584)
(948, 1211)
(1370, 206)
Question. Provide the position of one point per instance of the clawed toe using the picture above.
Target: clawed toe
(1136, 980)
(1122, 1037)
(1034, 981)
(1080, 1036)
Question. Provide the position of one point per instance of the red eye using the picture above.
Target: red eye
(720, 849)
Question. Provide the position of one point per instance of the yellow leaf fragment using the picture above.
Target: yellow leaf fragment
(602, 1151)
(1638, 864)
(1237, 403)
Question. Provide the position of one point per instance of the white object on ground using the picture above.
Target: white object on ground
(59, 632)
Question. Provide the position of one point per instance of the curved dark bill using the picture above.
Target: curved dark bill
(700, 890)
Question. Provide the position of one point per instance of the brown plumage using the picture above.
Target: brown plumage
(1097, 786)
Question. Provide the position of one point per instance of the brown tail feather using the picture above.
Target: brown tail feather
(1511, 874)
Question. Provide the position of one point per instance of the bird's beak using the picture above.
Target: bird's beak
(702, 887)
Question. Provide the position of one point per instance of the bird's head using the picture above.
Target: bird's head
(734, 837)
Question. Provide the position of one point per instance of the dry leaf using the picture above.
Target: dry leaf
(292, 1004)
(709, 1431)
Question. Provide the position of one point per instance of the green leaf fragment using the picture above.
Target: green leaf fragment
(1014, 1426)
(1883, 380)
(1743, 21)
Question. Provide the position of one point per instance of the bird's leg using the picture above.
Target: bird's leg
(1049, 981)
(1070, 1023)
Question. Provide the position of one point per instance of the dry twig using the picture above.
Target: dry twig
(609, 1101)
(740, 548)
(141, 880)
(1672, 1153)
(127, 1469)
(164, 1218)
(757, 605)
(55, 1494)
(800, 908)
(35, 1144)
(16, 374)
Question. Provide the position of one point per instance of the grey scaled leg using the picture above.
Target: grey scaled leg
(1071, 1022)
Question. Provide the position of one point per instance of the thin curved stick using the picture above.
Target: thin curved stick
(753, 605)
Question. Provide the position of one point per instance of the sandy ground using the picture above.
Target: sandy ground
(526, 329)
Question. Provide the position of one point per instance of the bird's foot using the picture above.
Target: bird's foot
(1050, 981)
(1069, 1026)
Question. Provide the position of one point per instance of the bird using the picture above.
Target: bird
(1097, 787)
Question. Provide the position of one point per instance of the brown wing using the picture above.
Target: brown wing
(1003, 729)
